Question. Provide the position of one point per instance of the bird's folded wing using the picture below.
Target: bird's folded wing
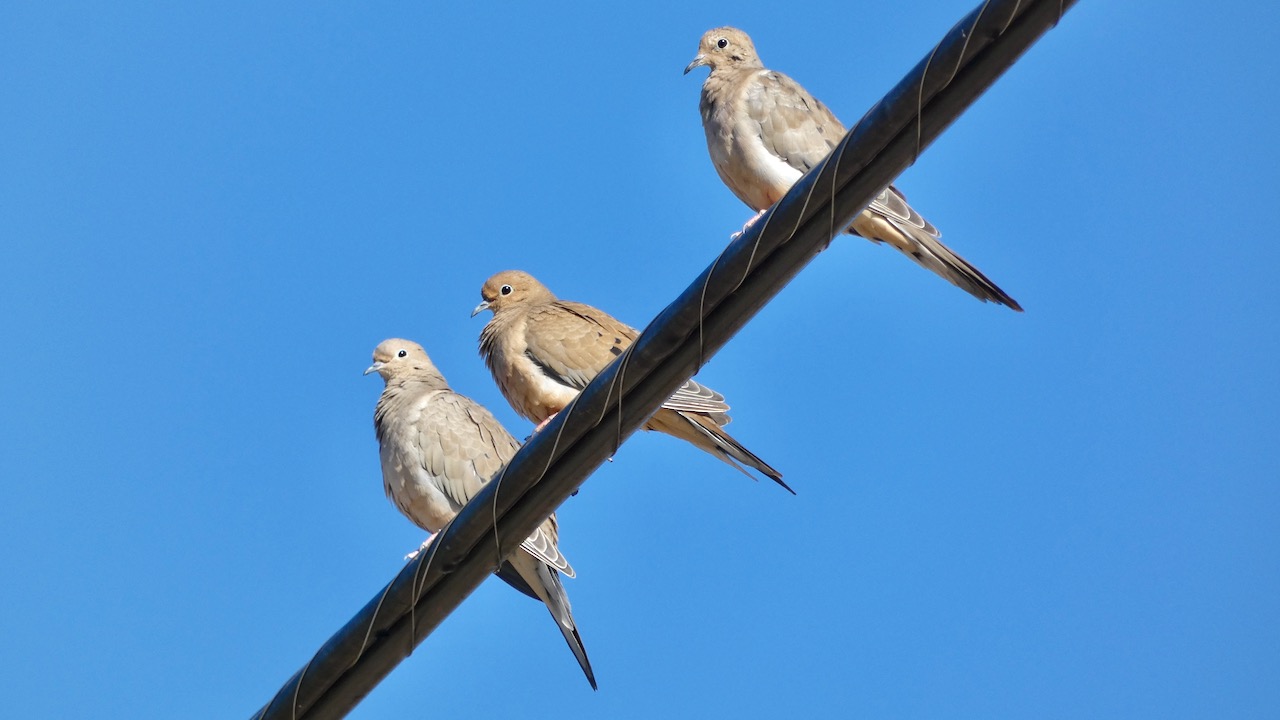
(573, 342)
(467, 448)
(794, 125)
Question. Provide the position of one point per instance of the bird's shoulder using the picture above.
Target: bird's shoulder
(455, 438)
(774, 97)
(574, 336)
(587, 317)
(787, 120)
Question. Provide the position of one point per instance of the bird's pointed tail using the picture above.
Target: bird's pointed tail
(545, 581)
(706, 434)
(897, 224)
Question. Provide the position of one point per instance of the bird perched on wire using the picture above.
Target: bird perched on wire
(764, 131)
(543, 351)
(438, 448)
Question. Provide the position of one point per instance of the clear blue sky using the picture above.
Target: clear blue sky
(211, 214)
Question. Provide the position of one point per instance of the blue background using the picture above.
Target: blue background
(210, 214)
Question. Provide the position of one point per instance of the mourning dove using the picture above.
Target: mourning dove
(764, 131)
(543, 352)
(438, 448)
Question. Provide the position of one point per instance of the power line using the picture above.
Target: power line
(749, 273)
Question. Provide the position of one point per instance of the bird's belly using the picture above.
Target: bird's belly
(534, 394)
(421, 501)
(757, 176)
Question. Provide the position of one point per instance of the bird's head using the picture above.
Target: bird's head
(396, 356)
(725, 47)
(510, 288)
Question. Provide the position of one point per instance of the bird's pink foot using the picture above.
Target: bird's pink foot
(746, 226)
(545, 421)
(423, 546)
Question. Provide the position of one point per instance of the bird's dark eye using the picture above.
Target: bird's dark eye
(505, 290)
(402, 353)
(722, 43)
